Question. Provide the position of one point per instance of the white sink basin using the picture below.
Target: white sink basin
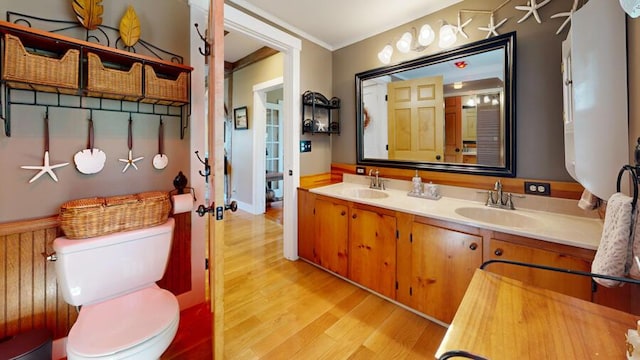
(364, 193)
(498, 217)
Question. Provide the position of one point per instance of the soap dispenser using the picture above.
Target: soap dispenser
(417, 183)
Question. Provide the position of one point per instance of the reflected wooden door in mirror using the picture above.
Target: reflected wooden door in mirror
(452, 111)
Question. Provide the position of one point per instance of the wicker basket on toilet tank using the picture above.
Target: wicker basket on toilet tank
(89, 217)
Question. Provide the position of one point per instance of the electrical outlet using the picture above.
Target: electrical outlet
(305, 146)
(537, 188)
(361, 170)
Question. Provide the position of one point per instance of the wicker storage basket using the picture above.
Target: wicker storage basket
(30, 71)
(112, 83)
(84, 218)
(165, 91)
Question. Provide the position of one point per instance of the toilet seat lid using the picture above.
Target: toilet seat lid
(123, 322)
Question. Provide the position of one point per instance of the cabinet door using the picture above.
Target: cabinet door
(442, 264)
(331, 233)
(306, 231)
(372, 251)
(573, 285)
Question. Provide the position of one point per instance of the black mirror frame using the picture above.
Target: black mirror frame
(506, 41)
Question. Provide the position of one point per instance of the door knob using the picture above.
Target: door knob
(205, 210)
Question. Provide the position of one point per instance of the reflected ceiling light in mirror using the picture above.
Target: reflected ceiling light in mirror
(457, 85)
(461, 64)
(385, 54)
(426, 36)
(471, 102)
(447, 35)
(404, 44)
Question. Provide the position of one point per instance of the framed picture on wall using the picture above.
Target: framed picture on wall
(240, 118)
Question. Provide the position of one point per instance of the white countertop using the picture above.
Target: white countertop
(583, 232)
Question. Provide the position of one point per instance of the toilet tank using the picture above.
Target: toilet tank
(95, 269)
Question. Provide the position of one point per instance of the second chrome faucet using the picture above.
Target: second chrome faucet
(376, 182)
(498, 199)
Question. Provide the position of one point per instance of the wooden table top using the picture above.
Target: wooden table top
(502, 318)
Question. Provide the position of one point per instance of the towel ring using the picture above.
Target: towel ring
(634, 177)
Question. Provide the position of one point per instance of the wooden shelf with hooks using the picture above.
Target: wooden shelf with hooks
(42, 61)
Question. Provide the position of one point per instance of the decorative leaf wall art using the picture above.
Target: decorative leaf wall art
(88, 12)
(130, 27)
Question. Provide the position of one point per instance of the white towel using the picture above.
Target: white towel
(635, 248)
(612, 257)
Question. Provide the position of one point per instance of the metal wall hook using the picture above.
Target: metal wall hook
(207, 46)
(207, 168)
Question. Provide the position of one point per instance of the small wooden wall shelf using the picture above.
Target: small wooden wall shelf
(38, 60)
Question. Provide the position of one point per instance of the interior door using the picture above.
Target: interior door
(453, 129)
(416, 119)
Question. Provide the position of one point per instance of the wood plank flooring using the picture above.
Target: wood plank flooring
(279, 309)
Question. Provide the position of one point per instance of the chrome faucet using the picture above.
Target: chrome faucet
(499, 200)
(376, 182)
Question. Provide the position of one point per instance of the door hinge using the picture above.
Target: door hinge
(594, 286)
(410, 291)
(411, 238)
(396, 285)
(206, 263)
(397, 234)
(386, 98)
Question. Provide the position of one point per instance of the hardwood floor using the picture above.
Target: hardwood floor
(279, 309)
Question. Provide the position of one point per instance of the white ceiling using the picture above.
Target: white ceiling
(332, 24)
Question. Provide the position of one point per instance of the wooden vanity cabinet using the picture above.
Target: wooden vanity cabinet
(306, 229)
(323, 231)
(436, 261)
(331, 234)
(372, 248)
(518, 248)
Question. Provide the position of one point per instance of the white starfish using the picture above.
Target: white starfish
(492, 27)
(568, 14)
(460, 27)
(46, 168)
(130, 161)
(532, 8)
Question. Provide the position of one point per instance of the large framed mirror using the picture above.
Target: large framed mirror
(452, 111)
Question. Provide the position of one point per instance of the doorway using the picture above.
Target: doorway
(290, 47)
(264, 178)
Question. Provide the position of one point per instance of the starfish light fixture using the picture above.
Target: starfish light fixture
(532, 9)
(46, 168)
(567, 14)
(492, 27)
(130, 161)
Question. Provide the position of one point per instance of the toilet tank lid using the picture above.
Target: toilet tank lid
(62, 245)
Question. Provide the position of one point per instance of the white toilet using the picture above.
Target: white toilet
(124, 313)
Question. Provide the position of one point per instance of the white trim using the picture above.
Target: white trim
(290, 46)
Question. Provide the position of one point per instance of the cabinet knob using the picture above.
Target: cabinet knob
(473, 246)
(354, 216)
(343, 213)
(498, 252)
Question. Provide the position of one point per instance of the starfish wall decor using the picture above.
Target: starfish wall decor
(532, 9)
(46, 167)
(567, 14)
(130, 160)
